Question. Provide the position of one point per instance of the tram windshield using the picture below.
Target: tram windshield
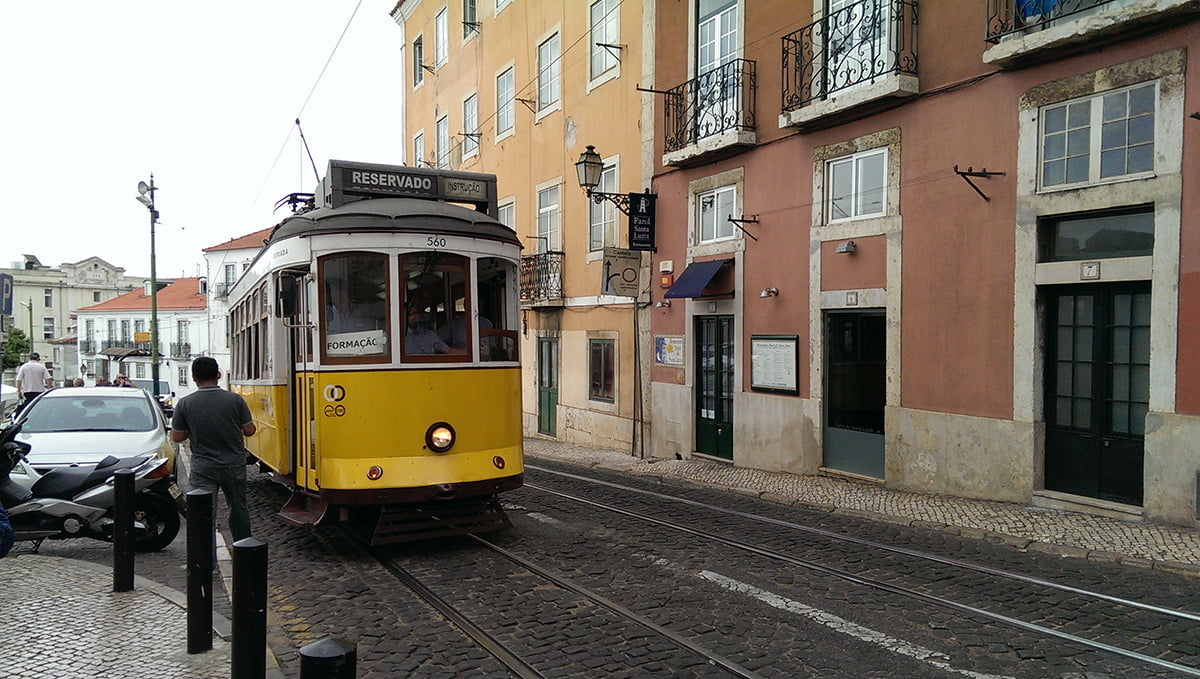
(355, 309)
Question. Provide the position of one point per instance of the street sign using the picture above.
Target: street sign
(621, 271)
(6, 294)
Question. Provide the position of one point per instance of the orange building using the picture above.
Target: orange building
(945, 245)
(519, 89)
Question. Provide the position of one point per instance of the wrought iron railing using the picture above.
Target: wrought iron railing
(541, 278)
(181, 349)
(721, 100)
(88, 346)
(854, 45)
(117, 344)
(1011, 16)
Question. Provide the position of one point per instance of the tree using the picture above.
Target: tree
(18, 343)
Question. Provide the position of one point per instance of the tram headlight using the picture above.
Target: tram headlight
(439, 437)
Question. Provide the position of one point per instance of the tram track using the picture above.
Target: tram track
(514, 660)
(1041, 625)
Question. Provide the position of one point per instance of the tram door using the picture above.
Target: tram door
(1097, 390)
(855, 392)
(714, 386)
(547, 365)
(303, 386)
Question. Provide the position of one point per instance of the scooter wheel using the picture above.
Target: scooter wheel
(161, 519)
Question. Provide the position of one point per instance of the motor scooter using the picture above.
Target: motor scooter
(78, 501)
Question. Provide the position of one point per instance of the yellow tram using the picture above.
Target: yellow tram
(374, 338)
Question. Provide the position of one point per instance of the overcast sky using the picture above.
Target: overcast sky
(95, 96)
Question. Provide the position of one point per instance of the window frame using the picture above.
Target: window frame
(857, 191)
(470, 141)
(602, 216)
(418, 59)
(718, 234)
(419, 149)
(470, 13)
(549, 76)
(549, 217)
(1097, 119)
(607, 369)
(442, 137)
(441, 38)
(607, 30)
(384, 357)
(48, 327)
(506, 115)
(507, 210)
(48, 298)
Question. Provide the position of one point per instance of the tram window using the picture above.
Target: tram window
(497, 304)
(354, 309)
(436, 300)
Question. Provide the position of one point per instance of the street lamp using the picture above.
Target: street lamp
(589, 168)
(29, 305)
(146, 197)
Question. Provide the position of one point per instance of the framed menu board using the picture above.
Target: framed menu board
(773, 363)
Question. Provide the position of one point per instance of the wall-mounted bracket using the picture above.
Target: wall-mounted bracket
(753, 219)
(971, 172)
(639, 88)
(530, 104)
(614, 50)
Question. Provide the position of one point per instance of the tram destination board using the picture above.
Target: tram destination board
(348, 181)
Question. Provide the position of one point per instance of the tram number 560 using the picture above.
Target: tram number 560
(435, 242)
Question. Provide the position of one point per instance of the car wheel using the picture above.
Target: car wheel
(161, 519)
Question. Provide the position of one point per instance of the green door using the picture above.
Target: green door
(1097, 389)
(714, 386)
(547, 353)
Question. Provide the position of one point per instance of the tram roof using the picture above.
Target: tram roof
(395, 214)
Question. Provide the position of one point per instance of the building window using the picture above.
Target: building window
(856, 186)
(96, 296)
(549, 222)
(602, 216)
(602, 369)
(713, 210)
(1104, 136)
(418, 149)
(501, 4)
(605, 30)
(182, 334)
(230, 275)
(548, 80)
(441, 39)
(89, 332)
(139, 325)
(139, 371)
(111, 335)
(504, 101)
(506, 214)
(442, 128)
(470, 135)
(183, 375)
(125, 333)
(48, 327)
(470, 19)
(48, 298)
(418, 60)
(1128, 233)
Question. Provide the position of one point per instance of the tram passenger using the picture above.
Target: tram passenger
(419, 339)
(341, 314)
(454, 333)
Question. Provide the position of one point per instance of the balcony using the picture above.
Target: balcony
(711, 115)
(857, 60)
(181, 350)
(88, 346)
(221, 290)
(1029, 32)
(541, 280)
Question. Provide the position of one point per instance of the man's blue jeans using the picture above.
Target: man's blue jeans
(232, 482)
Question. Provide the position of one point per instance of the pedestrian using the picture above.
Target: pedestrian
(33, 379)
(78, 382)
(6, 533)
(216, 421)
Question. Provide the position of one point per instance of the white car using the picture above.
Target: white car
(83, 425)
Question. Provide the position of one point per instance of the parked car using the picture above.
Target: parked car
(83, 425)
(166, 397)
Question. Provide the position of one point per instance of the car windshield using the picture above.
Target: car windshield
(90, 413)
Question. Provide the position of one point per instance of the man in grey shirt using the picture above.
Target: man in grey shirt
(216, 421)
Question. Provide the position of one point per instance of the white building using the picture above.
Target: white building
(44, 298)
(225, 264)
(114, 336)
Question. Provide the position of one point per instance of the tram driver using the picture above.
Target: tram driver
(420, 339)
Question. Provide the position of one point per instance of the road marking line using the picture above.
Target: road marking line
(838, 624)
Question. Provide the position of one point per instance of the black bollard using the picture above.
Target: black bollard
(201, 544)
(123, 530)
(249, 644)
(328, 659)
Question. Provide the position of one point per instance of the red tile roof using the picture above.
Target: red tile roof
(250, 240)
(179, 294)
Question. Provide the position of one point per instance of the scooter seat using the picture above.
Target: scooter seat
(66, 482)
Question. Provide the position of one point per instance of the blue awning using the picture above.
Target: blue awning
(695, 278)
